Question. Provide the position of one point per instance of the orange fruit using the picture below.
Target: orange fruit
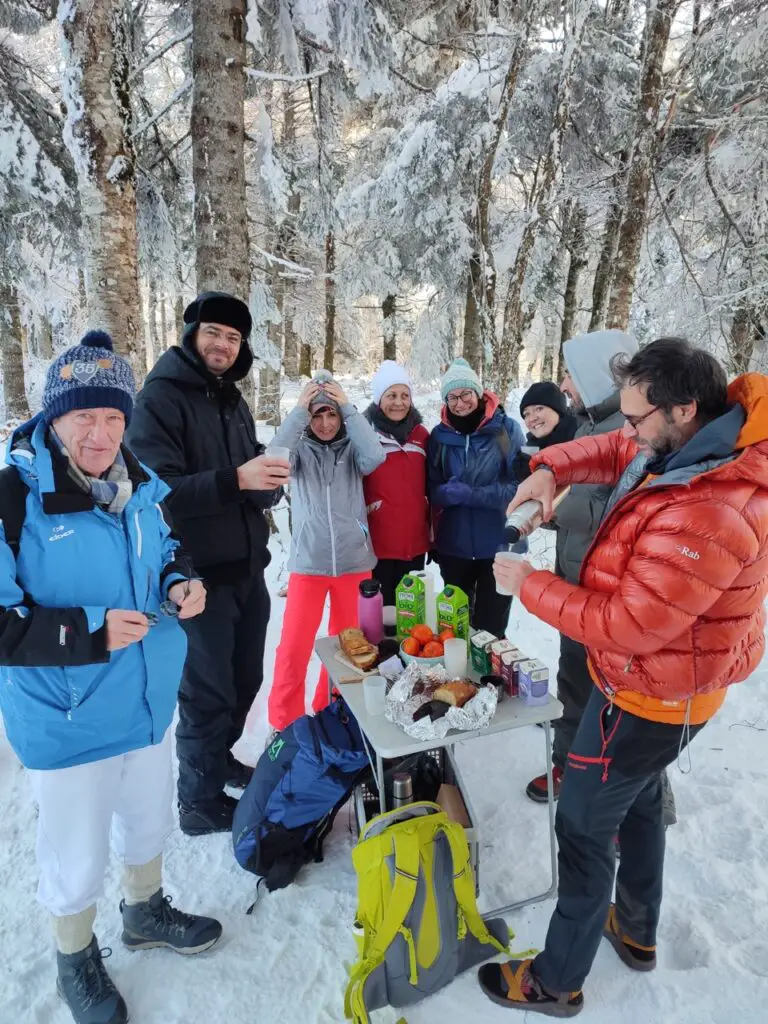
(412, 647)
(447, 634)
(423, 634)
(434, 649)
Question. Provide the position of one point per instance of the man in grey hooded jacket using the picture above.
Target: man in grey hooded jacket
(595, 402)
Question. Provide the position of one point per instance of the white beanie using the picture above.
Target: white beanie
(387, 376)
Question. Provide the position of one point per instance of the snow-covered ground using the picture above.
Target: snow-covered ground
(287, 962)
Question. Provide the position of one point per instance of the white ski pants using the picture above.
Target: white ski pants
(130, 796)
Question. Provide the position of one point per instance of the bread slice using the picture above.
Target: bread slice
(353, 641)
(365, 661)
(456, 694)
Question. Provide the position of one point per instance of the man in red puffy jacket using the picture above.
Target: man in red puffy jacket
(670, 609)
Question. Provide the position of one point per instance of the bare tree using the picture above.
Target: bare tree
(388, 310)
(11, 355)
(98, 134)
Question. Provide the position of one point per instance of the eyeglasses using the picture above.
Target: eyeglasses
(635, 421)
(463, 396)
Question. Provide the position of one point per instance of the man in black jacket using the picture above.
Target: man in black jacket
(193, 427)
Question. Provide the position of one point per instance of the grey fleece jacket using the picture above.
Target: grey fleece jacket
(587, 358)
(330, 527)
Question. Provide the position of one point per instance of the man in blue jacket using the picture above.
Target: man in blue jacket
(91, 590)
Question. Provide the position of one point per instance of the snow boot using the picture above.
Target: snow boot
(238, 774)
(537, 789)
(208, 817)
(639, 958)
(514, 986)
(156, 923)
(87, 989)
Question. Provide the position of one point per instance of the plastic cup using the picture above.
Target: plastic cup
(374, 694)
(390, 620)
(278, 452)
(506, 556)
(455, 656)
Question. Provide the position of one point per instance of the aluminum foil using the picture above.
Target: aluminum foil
(416, 686)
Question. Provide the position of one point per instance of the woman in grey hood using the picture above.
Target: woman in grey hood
(332, 448)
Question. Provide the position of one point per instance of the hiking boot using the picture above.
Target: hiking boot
(87, 989)
(514, 986)
(639, 958)
(238, 774)
(208, 817)
(537, 791)
(156, 923)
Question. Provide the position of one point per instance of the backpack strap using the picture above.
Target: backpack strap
(464, 888)
(403, 840)
(13, 506)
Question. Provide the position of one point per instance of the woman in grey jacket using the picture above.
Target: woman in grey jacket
(332, 448)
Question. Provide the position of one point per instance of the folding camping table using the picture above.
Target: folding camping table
(390, 742)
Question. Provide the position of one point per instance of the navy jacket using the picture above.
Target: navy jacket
(483, 461)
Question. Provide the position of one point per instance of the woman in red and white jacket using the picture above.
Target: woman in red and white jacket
(396, 492)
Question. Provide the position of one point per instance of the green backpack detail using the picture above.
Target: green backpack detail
(416, 910)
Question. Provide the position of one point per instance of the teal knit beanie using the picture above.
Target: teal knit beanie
(460, 375)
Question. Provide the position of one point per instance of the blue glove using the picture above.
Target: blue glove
(455, 492)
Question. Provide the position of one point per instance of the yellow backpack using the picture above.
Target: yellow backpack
(418, 925)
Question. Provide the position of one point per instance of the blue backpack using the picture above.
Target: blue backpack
(300, 783)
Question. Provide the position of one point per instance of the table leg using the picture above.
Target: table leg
(380, 781)
(552, 890)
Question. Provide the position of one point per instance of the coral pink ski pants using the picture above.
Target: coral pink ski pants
(301, 621)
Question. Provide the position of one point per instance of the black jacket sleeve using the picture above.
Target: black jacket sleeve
(156, 435)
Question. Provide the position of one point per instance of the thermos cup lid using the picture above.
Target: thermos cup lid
(370, 588)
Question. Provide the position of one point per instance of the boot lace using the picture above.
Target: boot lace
(170, 919)
(91, 982)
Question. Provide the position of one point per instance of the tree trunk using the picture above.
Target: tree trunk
(388, 310)
(163, 338)
(508, 349)
(290, 337)
(218, 137)
(601, 288)
(747, 331)
(305, 360)
(645, 149)
(44, 348)
(178, 315)
(330, 301)
(12, 362)
(153, 349)
(479, 316)
(577, 223)
(98, 134)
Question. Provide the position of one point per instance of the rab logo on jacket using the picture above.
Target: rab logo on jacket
(688, 552)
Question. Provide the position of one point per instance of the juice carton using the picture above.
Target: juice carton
(497, 649)
(510, 670)
(453, 612)
(534, 682)
(410, 603)
(480, 650)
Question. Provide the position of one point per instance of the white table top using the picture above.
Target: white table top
(389, 740)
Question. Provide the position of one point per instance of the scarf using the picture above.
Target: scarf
(399, 430)
(112, 491)
(467, 424)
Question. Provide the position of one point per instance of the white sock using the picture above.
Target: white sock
(140, 881)
(73, 932)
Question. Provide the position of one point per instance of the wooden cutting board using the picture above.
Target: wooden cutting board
(359, 673)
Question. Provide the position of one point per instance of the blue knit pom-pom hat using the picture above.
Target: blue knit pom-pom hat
(460, 375)
(90, 375)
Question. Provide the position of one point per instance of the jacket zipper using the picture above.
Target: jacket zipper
(139, 536)
(330, 527)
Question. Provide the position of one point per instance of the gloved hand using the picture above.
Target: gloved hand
(455, 492)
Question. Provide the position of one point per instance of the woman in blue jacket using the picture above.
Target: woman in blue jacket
(471, 482)
(91, 590)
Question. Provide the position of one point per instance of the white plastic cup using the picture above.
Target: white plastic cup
(455, 655)
(506, 556)
(374, 694)
(278, 452)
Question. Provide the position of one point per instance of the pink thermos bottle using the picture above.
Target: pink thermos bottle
(370, 611)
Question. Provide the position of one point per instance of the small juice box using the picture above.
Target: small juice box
(534, 682)
(480, 650)
(453, 612)
(510, 670)
(410, 604)
(497, 649)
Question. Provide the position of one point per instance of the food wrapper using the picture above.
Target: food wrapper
(416, 686)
